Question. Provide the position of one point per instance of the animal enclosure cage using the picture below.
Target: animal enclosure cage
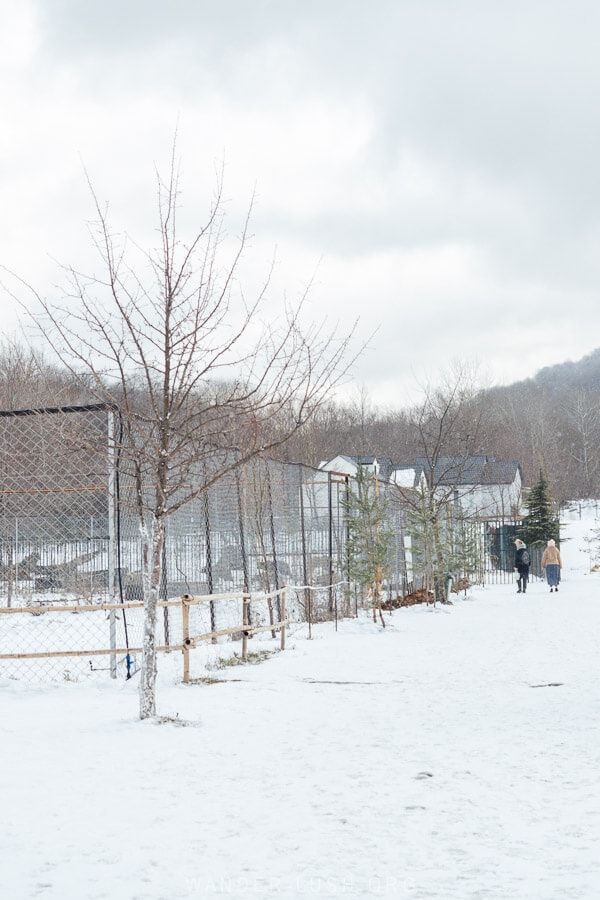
(57, 529)
(56, 506)
(70, 538)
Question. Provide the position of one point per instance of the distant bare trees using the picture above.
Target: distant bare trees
(28, 380)
(546, 425)
(580, 437)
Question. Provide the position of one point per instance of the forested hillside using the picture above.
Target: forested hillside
(550, 422)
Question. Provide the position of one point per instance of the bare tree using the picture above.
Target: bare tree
(28, 380)
(447, 424)
(167, 338)
(580, 438)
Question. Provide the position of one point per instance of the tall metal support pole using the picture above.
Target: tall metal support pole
(209, 566)
(163, 588)
(238, 485)
(346, 508)
(273, 540)
(91, 567)
(307, 590)
(16, 558)
(112, 543)
(330, 542)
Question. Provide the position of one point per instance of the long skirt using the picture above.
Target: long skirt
(553, 574)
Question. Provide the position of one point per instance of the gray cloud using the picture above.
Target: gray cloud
(442, 156)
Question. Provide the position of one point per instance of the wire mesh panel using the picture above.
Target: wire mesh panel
(56, 534)
(70, 538)
(262, 526)
(54, 510)
(67, 642)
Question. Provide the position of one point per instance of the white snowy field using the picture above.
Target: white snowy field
(455, 754)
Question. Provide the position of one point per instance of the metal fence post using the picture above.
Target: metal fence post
(163, 591)
(245, 624)
(111, 571)
(209, 561)
(307, 590)
(330, 537)
(185, 638)
(283, 618)
(273, 539)
(242, 539)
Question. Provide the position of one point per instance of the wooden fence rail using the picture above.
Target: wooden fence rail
(189, 641)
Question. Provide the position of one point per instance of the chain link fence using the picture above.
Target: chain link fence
(71, 551)
(56, 539)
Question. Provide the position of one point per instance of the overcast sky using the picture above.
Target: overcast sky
(438, 161)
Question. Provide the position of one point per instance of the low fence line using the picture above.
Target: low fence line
(129, 604)
(245, 629)
(51, 654)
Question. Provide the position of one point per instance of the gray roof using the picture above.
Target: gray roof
(469, 470)
(450, 471)
(385, 465)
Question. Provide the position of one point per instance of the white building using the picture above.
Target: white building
(482, 485)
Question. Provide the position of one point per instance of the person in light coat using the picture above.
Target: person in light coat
(552, 563)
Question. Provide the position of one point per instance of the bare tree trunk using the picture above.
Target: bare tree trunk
(152, 558)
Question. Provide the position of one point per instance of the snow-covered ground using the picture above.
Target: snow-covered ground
(455, 754)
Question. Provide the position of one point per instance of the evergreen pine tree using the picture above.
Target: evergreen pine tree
(541, 521)
(369, 539)
(466, 559)
(445, 542)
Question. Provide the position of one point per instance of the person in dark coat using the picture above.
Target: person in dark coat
(522, 562)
